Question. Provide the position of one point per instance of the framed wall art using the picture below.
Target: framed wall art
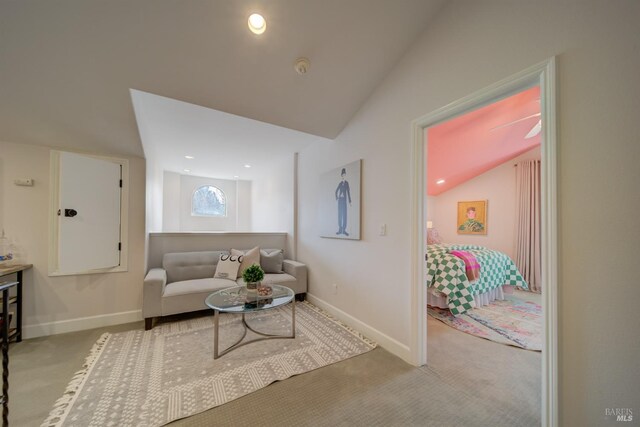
(472, 217)
(339, 202)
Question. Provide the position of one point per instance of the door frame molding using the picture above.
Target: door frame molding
(544, 75)
(54, 197)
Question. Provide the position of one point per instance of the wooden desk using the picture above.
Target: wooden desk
(7, 334)
(16, 333)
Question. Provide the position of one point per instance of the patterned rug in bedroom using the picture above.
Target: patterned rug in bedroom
(512, 322)
(151, 378)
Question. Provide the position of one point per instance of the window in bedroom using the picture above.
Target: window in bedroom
(208, 201)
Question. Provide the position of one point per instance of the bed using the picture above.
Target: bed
(448, 284)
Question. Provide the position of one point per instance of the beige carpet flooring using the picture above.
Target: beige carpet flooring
(492, 385)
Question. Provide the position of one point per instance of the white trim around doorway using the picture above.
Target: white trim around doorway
(542, 74)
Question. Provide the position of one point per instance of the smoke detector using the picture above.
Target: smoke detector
(302, 65)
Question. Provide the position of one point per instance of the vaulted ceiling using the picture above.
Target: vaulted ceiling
(66, 66)
(218, 145)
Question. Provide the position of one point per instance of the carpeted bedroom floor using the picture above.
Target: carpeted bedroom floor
(469, 381)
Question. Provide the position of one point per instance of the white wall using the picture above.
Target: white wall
(188, 184)
(244, 201)
(272, 198)
(264, 204)
(431, 210)
(154, 176)
(58, 304)
(178, 190)
(498, 187)
(153, 183)
(171, 201)
(470, 46)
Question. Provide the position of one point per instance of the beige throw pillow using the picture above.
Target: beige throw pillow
(228, 266)
(250, 257)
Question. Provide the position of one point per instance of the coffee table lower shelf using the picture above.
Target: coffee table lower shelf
(239, 343)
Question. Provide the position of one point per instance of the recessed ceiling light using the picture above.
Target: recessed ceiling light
(257, 24)
(236, 176)
(440, 181)
(189, 157)
(187, 170)
(247, 166)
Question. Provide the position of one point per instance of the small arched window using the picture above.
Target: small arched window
(208, 201)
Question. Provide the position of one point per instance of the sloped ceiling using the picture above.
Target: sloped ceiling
(220, 143)
(66, 66)
(464, 147)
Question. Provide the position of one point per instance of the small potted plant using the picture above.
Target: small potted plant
(252, 276)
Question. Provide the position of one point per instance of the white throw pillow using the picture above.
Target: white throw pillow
(228, 266)
(250, 257)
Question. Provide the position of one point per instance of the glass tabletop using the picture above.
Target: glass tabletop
(234, 300)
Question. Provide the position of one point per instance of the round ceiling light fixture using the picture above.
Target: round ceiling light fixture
(257, 23)
(302, 65)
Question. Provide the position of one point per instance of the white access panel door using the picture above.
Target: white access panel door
(89, 213)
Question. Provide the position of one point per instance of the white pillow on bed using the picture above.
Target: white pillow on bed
(433, 238)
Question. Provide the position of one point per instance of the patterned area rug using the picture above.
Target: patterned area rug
(151, 378)
(512, 322)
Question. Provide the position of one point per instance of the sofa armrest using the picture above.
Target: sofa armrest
(152, 291)
(297, 270)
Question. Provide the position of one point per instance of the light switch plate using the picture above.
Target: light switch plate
(26, 182)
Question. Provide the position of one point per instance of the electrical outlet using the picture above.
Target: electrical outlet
(335, 288)
(383, 229)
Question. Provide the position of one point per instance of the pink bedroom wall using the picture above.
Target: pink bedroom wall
(467, 146)
(498, 187)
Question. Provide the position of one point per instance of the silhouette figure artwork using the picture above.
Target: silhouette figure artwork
(343, 194)
(339, 188)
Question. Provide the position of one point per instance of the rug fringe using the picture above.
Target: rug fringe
(61, 408)
(318, 310)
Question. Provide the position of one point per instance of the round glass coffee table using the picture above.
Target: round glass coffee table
(234, 300)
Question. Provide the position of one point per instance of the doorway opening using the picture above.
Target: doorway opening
(483, 223)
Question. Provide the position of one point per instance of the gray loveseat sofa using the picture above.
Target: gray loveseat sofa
(186, 279)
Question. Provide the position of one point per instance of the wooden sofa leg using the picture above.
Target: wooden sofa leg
(148, 323)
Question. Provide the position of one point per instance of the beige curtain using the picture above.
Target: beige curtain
(528, 231)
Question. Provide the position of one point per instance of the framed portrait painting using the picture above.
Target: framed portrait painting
(339, 202)
(472, 217)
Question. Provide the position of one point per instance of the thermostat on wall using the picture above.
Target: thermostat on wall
(27, 182)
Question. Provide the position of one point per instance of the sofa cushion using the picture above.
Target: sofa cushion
(190, 265)
(249, 257)
(196, 286)
(271, 260)
(273, 279)
(228, 267)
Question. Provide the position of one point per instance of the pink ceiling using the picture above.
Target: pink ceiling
(467, 146)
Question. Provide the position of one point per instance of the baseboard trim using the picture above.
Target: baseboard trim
(384, 340)
(80, 324)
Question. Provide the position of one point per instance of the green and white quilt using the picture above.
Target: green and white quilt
(446, 273)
